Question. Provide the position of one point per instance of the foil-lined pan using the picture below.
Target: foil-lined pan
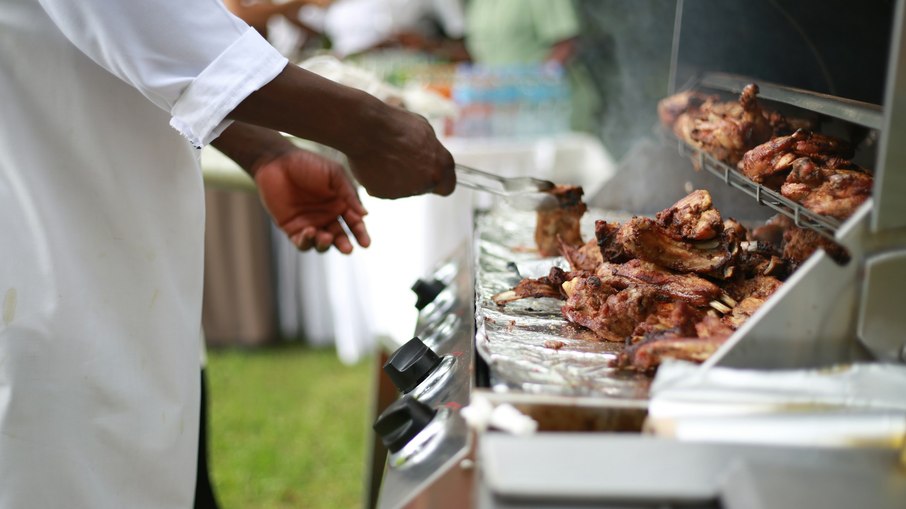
(528, 345)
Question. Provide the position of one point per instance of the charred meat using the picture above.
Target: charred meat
(827, 191)
(560, 224)
(770, 162)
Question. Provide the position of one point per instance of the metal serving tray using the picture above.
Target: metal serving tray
(528, 346)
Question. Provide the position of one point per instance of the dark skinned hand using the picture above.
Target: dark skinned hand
(308, 196)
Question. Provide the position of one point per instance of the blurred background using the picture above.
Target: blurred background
(558, 89)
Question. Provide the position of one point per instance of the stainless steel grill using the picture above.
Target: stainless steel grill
(589, 451)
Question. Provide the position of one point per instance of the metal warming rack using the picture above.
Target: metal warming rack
(801, 326)
(856, 112)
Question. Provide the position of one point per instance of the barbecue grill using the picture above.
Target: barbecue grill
(589, 449)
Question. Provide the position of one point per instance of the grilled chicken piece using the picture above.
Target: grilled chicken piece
(729, 130)
(648, 354)
(692, 218)
(800, 243)
(712, 326)
(670, 108)
(561, 221)
(769, 163)
(547, 286)
(682, 287)
(668, 318)
(644, 239)
(830, 192)
(586, 257)
(606, 237)
(610, 313)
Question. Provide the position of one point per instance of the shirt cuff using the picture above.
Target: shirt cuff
(245, 66)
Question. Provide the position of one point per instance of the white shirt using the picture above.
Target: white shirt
(101, 221)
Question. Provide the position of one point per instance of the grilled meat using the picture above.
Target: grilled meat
(668, 318)
(586, 257)
(679, 287)
(610, 313)
(800, 243)
(827, 191)
(546, 286)
(561, 221)
(644, 239)
(648, 354)
(729, 130)
(606, 237)
(692, 218)
(670, 108)
(769, 163)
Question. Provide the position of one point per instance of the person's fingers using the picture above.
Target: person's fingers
(447, 179)
(356, 225)
(342, 243)
(305, 239)
(360, 232)
(323, 241)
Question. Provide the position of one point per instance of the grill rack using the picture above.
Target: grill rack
(801, 216)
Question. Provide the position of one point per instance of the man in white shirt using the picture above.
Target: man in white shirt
(102, 217)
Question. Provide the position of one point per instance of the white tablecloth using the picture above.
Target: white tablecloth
(355, 300)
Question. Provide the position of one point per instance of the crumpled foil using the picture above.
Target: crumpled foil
(527, 344)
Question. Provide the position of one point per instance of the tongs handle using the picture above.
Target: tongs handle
(463, 173)
(526, 193)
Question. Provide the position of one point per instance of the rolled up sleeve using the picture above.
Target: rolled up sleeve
(191, 58)
(247, 65)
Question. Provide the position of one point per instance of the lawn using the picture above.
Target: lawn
(288, 428)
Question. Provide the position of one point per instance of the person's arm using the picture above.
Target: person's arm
(307, 195)
(393, 153)
(563, 51)
(205, 67)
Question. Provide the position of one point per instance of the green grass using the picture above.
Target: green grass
(288, 428)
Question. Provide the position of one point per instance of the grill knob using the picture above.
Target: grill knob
(426, 291)
(401, 421)
(410, 364)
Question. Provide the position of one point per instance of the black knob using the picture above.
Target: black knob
(410, 364)
(401, 421)
(426, 291)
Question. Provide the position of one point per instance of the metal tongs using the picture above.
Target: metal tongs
(525, 193)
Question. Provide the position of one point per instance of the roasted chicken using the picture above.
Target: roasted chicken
(827, 191)
(661, 284)
(770, 162)
(560, 225)
(725, 130)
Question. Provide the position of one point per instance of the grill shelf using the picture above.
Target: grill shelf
(801, 216)
(857, 112)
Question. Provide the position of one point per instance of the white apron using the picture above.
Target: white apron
(101, 235)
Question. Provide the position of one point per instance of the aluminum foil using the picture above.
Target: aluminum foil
(527, 344)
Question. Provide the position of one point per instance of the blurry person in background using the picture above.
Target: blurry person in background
(435, 27)
(289, 25)
(524, 32)
(106, 105)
